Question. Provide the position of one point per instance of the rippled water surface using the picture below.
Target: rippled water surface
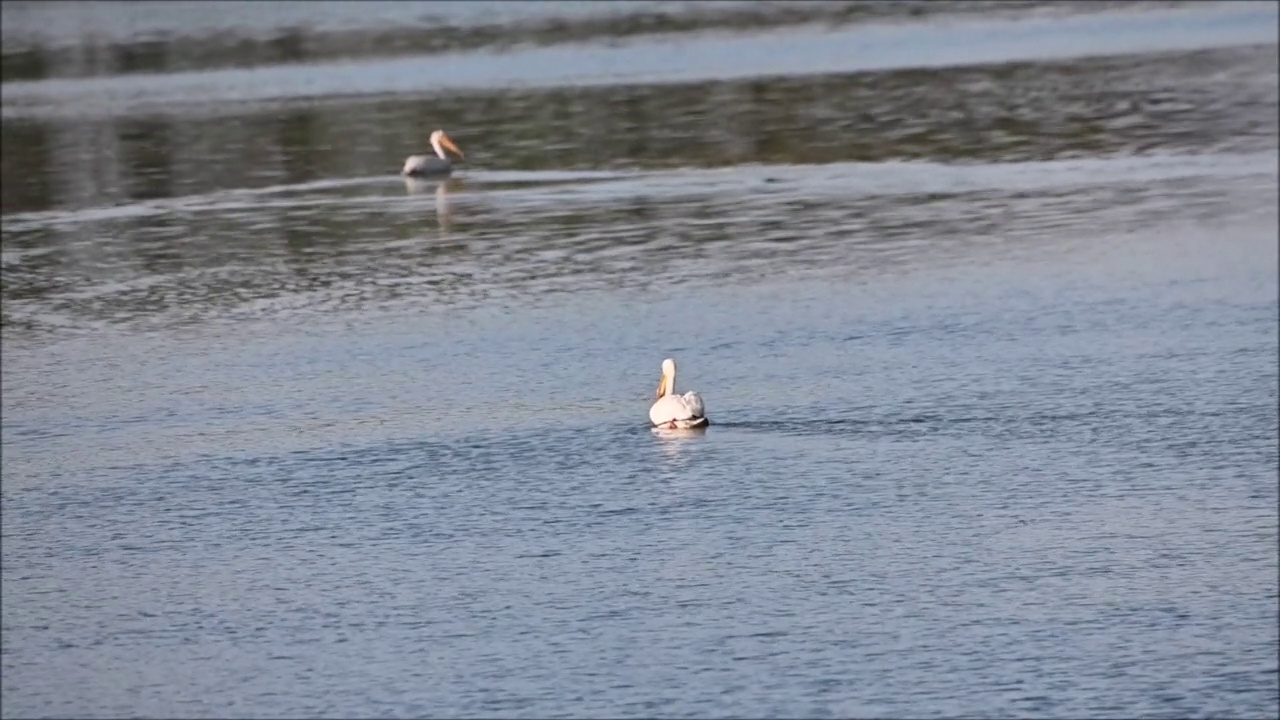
(982, 302)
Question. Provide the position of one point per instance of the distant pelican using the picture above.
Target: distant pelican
(427, 166)
(676, 411)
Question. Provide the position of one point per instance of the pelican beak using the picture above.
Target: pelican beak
(448, 144)
(662, 386)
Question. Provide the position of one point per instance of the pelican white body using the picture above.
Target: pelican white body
(676, 411)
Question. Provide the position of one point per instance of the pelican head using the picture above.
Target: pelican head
(440, 142)
(668, 382)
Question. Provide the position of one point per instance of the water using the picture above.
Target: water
(988, 343)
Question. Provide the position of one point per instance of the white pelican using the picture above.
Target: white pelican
(672, 410)
(427, 166)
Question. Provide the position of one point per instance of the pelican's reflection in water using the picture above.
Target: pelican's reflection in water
(677, 443)
(441, 188)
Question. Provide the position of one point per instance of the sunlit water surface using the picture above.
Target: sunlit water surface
(989, 353)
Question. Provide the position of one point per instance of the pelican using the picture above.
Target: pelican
(427, 166)
(672, 410)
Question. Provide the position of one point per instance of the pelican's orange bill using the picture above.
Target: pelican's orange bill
(446, 142)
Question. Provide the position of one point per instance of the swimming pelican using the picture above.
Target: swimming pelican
(427, 166)
(676, 411)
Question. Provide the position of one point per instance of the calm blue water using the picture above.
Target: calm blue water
(993, 390)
